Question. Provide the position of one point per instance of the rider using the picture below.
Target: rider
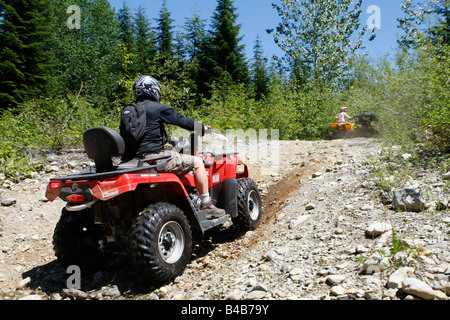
(148, 88)
(342, 115)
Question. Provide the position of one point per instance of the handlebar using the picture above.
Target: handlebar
(208, 131)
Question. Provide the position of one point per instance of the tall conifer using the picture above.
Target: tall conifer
(164, 37)
(227, 50)
(145, 43)
(25, 51)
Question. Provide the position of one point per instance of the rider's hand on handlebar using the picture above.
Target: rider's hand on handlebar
(207, 129)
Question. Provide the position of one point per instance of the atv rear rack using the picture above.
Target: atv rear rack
(139, 168)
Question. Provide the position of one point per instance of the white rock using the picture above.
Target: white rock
(299, 220)
(22, 284)
(335, 279)
(32, 297)
(406, 156)
(53, 169)
(375, 294)
(259, 287)
(270, 256)
(317, 174)
(378, 228)
(338, 290)
(8, 202)
(390, 293)
(295, 271)
(26, 207)
(366, 207)
(256, 294)
(361, 248)
(395, 279)
(440, 295)
(75, 294)
(418, 288)
(408, 199)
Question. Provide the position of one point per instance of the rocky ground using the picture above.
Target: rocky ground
(328, 232)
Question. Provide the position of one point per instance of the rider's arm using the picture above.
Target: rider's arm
(171, 116)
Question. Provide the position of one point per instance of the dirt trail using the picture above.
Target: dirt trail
(223, 266)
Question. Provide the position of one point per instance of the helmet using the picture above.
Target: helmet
(343, 109)
(147, 87)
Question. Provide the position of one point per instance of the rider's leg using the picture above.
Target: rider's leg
(200, 176)
(201, 182)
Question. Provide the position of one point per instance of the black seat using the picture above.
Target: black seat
(101, 144)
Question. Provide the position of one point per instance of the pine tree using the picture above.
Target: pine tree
(127, 28)
(194, 36)
(145, 43)
(89, 58)
(195, 29)
(227, 51)
(164, 29)
(25, 51)
(127, 39)
(260, 77)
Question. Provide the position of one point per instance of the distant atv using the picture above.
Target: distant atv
(361, 128)
(132, 207)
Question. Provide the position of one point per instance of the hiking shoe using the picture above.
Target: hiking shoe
(211, 211)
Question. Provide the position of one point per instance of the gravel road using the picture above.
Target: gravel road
(316, 240)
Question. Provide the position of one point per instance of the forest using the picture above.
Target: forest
(69, 65)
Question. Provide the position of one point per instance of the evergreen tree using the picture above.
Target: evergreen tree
(195, 29)
(127, 38)
(127, 28)
(164, 37)
(145, 43)
(193, 39)
(26, 59)
(260, 77)
(227, 52)
(89, 58)
(203, 73)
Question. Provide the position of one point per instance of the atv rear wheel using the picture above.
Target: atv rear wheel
(76, 239)
(161, 242)
(249, 205)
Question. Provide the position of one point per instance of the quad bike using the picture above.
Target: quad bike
(361, 128)
(341, 130)
(152, 216)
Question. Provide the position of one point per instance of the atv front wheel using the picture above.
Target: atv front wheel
(161, 242)
(249, 205)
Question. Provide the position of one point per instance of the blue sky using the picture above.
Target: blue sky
(258, 15)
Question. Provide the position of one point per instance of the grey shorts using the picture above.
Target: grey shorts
(180, 164)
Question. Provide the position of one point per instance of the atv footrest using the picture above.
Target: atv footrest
(209, 224)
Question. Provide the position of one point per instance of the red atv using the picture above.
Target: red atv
(132, 207)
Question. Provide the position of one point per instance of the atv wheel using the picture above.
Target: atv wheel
(161, 242)
(75, 239)
(249, 205)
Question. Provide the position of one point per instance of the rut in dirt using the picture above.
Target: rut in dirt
(273, 202)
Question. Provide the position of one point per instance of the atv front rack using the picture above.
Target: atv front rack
(139, 168)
